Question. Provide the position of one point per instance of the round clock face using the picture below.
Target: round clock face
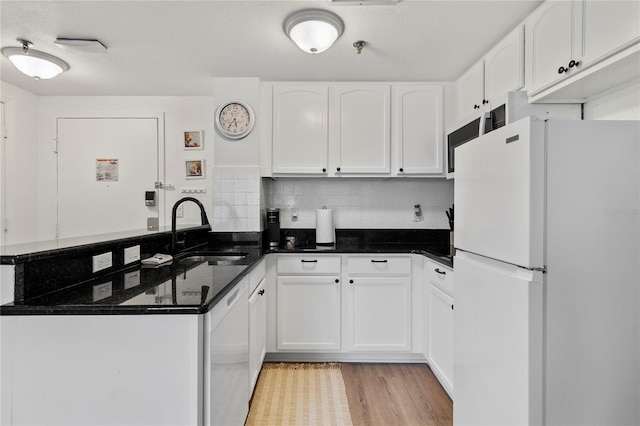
(234, 119)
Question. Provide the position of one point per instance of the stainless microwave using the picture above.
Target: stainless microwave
(486, 123)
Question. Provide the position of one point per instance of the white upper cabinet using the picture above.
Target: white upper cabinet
(549, 43)
(300, 129)
(488, 81)
(418, 134)
(608, 26)
(340, 129)
(469, 90)
(504, 67)
(360, 128)
(564, 38)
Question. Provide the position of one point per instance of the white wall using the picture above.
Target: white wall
(621, 104)
(20, 165)
(180, 114)
(362, 203)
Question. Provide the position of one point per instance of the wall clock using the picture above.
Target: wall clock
(235, 119)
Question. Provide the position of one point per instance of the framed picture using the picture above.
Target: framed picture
(193, 140)
(194, 169)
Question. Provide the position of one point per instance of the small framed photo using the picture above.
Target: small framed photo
(193, 140)
(194, 169)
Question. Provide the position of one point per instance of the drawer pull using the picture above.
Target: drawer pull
(350, 281)
(440, 272)
(337, 281)
(309, 261)
(261, 292)
(378, 261)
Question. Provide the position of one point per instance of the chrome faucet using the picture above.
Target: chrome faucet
(174, 233)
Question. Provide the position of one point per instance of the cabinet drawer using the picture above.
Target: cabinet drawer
(379, 265)
(440, 276)
(308, 264)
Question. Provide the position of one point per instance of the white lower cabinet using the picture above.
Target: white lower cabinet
(377, 304)
(440, 331)
(378, 314)
(348, 304)
(308, 303)
(308, 313)
(257, 332)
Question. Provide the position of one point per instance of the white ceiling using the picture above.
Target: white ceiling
(178, 47)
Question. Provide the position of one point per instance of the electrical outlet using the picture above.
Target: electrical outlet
(131, 254)
(102, 261)
(132, 279)
(102, 291)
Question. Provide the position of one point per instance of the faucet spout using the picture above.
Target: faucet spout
(174, 234)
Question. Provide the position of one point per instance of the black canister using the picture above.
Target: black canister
(273, 227)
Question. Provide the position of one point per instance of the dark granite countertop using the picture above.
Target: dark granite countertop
(183, 286)
(195, 286)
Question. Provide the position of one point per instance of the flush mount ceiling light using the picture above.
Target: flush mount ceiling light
(313, 30)
(33, 63)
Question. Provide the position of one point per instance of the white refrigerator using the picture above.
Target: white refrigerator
(547, 319)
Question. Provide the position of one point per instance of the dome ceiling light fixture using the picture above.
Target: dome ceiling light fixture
(313, 30)
(34, 63)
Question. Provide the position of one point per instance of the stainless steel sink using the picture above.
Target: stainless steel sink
(215, 258)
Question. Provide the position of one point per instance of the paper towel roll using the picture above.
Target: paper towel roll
(325, 232)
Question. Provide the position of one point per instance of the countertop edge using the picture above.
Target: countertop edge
(22, 310)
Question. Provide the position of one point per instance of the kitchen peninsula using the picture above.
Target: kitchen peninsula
(124, 326)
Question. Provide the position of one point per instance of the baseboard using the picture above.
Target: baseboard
(344, 357)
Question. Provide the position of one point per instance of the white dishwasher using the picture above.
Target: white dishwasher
(226, 378)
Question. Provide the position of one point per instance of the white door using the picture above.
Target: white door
(361, 128)
(96, 196)
(469, 90)
(308, 314)
(608, 26)
(440, 313)
(497, 343)
(418, 128)
(549, 43)
(504, 67)
(499, 194)
(378, 313)
(300, 129)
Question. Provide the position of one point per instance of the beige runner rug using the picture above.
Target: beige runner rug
(299, 394)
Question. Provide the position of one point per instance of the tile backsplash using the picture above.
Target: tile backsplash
(362, 203)
(237, 199)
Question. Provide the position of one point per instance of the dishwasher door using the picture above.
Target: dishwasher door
(226, 378)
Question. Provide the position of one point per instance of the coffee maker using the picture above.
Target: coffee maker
(273, 227)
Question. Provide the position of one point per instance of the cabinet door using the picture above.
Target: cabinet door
(608, 26)
(504, 67)
(257, 333)
(418, 128)
(549, 41)
(378, 313)
(361, 128)
(469, 89)
(441, 336)
(308, 314)
(300, 129)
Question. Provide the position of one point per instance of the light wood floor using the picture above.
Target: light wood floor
(395, 394)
